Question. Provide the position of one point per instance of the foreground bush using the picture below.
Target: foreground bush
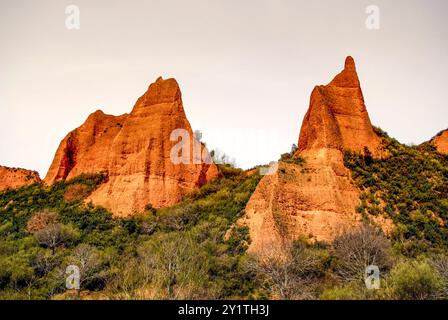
(348, 292)
(358, 249)
(415, 280)
(290, 272)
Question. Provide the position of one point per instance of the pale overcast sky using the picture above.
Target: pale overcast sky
(246, 68)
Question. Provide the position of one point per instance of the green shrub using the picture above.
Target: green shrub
(291, 158)
(409, 186)
(348, 292)
(414, 280)
(65, 230)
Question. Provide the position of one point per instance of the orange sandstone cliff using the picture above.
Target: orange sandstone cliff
(136, 152)
(337, 117)
(317, 199)
(441, 142)
(12, 178)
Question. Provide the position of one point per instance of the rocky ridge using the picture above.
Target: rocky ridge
(136, 152)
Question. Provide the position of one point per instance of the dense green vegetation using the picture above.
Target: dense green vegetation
(410, 187)
(194, 250)
(185, 251)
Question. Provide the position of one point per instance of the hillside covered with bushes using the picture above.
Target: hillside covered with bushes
(410, 186)
(194, 250)
(172, 253)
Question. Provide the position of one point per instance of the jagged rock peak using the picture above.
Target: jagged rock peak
(348, 78)
(135, 151)
(337, 117)
(350, 63)
(161, 91)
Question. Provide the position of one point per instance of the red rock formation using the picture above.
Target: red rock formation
(15, 178)
(337, 117)
(134, 150)
(316, 200)
(441, 142)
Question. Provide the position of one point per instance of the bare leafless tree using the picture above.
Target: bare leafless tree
(44, 262)
(130, 281)
(90, 262)
(440, 264)
(286, 272)
(220, 157)
(54, 235)
(356, 250)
